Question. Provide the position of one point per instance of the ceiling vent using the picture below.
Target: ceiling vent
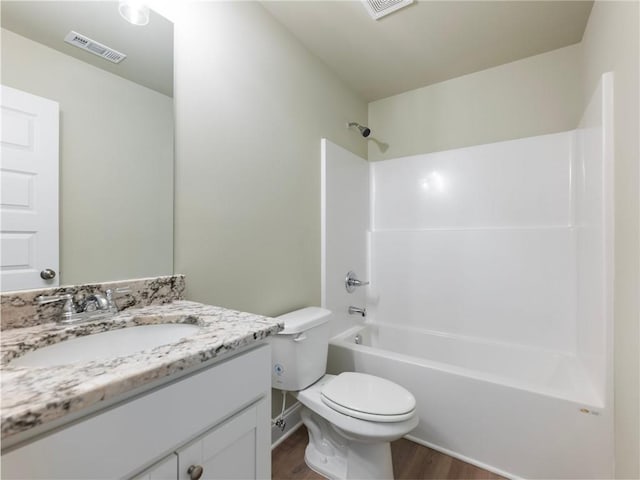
(380, 8)
(85, 43)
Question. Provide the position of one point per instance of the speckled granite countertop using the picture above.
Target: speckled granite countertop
(32, 397)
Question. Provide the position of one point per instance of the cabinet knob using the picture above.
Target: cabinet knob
(195, 472)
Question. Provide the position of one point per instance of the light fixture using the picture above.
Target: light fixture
(134, 11)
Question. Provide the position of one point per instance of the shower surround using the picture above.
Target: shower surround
(491, 292)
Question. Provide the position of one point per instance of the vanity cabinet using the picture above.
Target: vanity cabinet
(217, 418)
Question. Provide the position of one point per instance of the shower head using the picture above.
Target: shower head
(364, 131)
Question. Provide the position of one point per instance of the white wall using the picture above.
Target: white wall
(345, 231)
(611, 42)
(477, 242)
(593, 217)
(251, 107)
(528, 97)
(116, 164)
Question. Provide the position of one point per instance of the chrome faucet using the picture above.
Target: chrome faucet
(357, 311)
(92, 307)
(94, 302)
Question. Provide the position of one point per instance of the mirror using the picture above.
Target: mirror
(115, 132)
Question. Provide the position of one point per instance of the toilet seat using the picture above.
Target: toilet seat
(349, 426)
(368, 397)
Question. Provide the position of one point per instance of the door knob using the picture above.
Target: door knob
(48, 274)
(195, 472)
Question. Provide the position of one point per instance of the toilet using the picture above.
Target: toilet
(351, 417)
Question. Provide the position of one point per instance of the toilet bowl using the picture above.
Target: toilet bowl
(351, 417)
(344, 446)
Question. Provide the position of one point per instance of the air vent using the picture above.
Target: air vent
(85, 43)
(380, 8)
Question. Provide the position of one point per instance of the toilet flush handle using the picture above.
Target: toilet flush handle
(300, 337)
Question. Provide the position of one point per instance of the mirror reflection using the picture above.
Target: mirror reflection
(112, 166)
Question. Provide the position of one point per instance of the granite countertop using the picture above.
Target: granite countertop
(32, 396)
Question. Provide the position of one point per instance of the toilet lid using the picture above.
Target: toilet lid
(368, 397)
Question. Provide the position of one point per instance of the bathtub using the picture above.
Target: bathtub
(517, 411)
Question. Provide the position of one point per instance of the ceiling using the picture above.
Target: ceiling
(428, 41)
(149, 49)
(424, 43)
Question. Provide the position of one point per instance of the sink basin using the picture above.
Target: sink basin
(114, 343)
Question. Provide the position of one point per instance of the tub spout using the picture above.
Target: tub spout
(357, 311)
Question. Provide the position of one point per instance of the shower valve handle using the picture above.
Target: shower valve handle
(351, 282)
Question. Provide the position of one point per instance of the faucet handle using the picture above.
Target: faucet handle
(111, 304)
(44, 299)
(69, 308)
(351, 282)
(111, 291)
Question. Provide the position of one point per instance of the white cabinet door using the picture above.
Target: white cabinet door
(29, 190)
(226, 452)
(165, 469)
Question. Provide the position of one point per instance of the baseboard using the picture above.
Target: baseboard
(469, 460)
(293, 422)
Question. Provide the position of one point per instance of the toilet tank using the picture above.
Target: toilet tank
(299, 352)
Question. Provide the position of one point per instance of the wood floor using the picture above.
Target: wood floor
(410, 461)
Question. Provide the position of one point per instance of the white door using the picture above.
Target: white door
(28, 191)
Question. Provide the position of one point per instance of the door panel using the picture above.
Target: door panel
(28, 190)
(226, 452)
(166, 469)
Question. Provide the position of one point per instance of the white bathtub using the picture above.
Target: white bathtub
(517, 411)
